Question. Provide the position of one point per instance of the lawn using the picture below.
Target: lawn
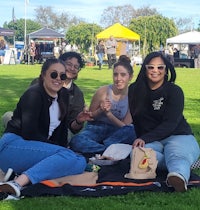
(14, 79)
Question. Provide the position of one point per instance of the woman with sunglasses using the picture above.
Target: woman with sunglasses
(31, 142)
(156, 105)
(77, 113)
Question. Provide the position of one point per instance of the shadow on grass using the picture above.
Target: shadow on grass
(196, 130)
(14, 87)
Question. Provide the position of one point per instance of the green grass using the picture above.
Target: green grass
(14, 79)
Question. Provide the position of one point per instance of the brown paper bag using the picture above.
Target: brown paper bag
(143, 164)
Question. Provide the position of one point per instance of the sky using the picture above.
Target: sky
(91, 10)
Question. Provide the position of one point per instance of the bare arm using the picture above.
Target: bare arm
(126, 121)
(96, 104)
(101, 104)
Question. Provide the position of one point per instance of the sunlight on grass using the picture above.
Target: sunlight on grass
(14, 79)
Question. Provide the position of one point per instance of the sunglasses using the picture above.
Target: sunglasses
(54, 75)
(159, 67)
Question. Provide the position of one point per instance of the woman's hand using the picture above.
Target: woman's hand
(105, 105)
(138, 143)
(83, 116)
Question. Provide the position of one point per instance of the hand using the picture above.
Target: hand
(105, 105)
(85, 115)
(138, 143)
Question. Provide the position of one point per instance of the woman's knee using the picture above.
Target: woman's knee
(156, 145)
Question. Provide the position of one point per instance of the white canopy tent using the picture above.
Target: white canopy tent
(192, 37)
(185, 44)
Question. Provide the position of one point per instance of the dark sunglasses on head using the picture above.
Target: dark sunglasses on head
(54, 75)
(159, 67)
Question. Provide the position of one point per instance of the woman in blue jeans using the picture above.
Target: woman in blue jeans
(34, 139)
(110, 110)
(100, 51)
(156, 105)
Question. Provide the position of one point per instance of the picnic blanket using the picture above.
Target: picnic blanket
(108, 181)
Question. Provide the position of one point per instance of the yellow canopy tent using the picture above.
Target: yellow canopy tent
(118, 31)
(121, 34)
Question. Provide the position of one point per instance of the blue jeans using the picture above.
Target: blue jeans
(176, 153)
(38, 160)
(97, 136)
(100, 57)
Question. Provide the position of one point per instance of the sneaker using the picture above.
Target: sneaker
(5, 196)
(10, 175)
(176, 181)
(11, 188)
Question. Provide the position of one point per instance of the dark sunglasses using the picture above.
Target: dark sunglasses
(54, 75)
(159, 67)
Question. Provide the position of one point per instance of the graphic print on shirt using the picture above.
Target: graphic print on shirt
(157, 103)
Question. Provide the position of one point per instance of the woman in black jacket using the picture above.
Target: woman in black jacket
(28, 145)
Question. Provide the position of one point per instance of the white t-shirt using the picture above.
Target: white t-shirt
(54, 113)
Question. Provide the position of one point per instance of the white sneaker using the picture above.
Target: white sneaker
(10, 175)
(11, 188)
(176, 181)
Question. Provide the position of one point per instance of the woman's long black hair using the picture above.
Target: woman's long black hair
(139, 89)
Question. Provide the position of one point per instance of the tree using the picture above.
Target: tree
(119, 14)
(153, 31)
(19, 27)
(145, 11)
(60, 22)
(83, 35)
(198, 29)
(184, 24)
(124, 14)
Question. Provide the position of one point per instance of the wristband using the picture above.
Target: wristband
(78, 123)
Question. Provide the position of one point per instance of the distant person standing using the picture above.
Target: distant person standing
(100, 51)
(32, 52)
(171, 54)
(197, 56)
(2, 51)
(176, 53)
(111, 46)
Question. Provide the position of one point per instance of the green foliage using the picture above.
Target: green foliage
(19, 27)
(153, 30)
(83, 35)
(14, 79)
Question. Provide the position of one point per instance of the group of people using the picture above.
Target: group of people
(146, 113)
(109, 48)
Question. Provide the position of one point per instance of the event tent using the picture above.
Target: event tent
(192, 37)
(45, 33)
(118, 31)
(6, 32)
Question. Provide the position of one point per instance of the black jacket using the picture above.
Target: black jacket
(31, 117)
(76, 104)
